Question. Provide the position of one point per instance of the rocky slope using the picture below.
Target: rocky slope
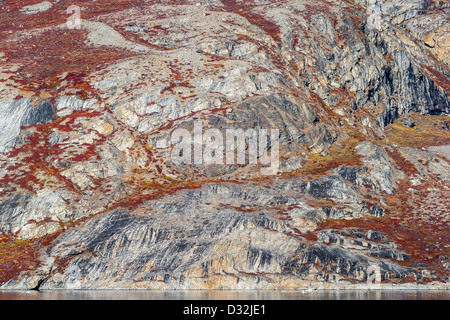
(89, 194)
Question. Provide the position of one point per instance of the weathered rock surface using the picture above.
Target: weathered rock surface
(90, 196)
(18, 113)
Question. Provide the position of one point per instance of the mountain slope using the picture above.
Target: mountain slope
(90, 194)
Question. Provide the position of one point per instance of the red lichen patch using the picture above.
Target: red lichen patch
(170, 88)
(402, 164)
(320, 7)
(247, 10)
(419, 229)
(16, 256)
(13, 19)
(22, 257)
(160, 186)
(441, 80)
(36, 155)
(355, 5)
(178, 78)
(157, 191)
(58, 59)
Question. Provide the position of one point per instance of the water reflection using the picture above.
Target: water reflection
(227, 295)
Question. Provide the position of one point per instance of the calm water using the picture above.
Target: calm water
(227, 295)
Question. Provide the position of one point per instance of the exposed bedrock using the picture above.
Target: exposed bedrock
(90, 196)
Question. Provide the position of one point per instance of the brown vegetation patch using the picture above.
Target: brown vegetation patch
(428, 131)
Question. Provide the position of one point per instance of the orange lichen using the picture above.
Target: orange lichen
(36, 155)
(16, 256)
(417, 235)
(427, 131)
(247, 10)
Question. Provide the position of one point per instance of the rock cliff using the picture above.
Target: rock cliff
(91, 94)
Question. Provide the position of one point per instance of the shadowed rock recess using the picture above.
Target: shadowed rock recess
(91, 199)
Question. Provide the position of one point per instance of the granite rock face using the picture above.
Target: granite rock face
(18, 113)
(90, 197)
